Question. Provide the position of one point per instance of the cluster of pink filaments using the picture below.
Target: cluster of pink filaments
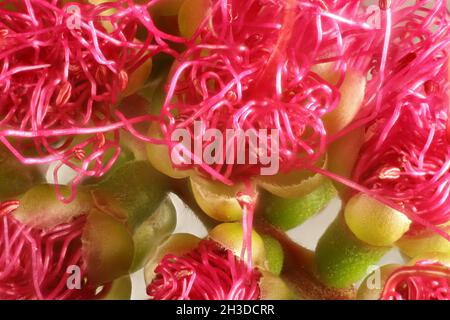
(34, 263)
(424, 281)
(406, 156)
(62, 69)
(208, 272)
(249, 67)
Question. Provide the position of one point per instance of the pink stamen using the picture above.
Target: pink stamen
(61, 79)
(409, 136)
(423, 281)
(405, 159)
(34, 262)
(208, 272)
(257, 75)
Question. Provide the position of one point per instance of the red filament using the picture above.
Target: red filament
(406, 158)
(423, 281)
(34, 263)
(249, 67)
(208, 272)
(61, 75)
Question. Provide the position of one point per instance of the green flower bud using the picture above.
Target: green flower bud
(16, 178)
(274, 254)
(423, 242)
(152, 232)
(216, 199)
(274, 288)
(120, 289)
(374, 222)
(231, 236)
(287, 213)
(341, 258)
(132, 193)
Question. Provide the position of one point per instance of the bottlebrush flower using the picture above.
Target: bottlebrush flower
(84, 249)
(206, 273)
(46, 255)
(402, 171)
(424, 278)
(268, 65)
(256, 72)
(189, 268)
(406, 157)
(62, 74)
(423, 281)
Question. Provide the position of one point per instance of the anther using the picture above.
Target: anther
(392, 173)
(431, 87)
(64, 94)
(123, 80)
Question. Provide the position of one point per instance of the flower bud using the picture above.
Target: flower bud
(191, 15)
(294, 184)
(424, 241)
(16, 178)
(216, 199)
(152, 232)
(274, 255)
(231, 237)
(341, 258)
(132, 193)
(374, 222)
(352, 91)
(288, 213)
(274, 288)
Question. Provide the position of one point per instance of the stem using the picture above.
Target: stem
(298, 267)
